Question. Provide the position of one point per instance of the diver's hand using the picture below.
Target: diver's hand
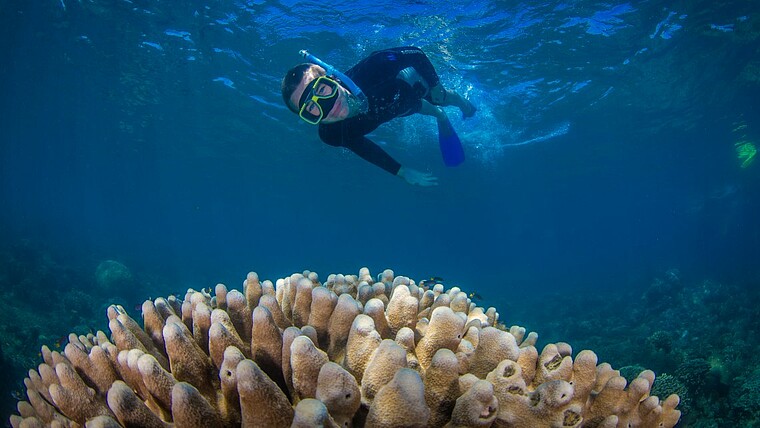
(417, 178)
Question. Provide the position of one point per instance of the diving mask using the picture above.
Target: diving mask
(318, 99)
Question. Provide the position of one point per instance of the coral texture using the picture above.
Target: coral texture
(353, 351)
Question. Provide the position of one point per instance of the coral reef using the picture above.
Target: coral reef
(747, 397)
(114, 278)
(351, 351)
(669, 328)
(28, 270)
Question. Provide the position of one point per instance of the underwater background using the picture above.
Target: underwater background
(609, 199)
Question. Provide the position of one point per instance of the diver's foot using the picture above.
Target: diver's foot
(468, 108)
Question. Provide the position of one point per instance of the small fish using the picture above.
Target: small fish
(475, 296)
(60, 342)
(740, 127)
(432, 281)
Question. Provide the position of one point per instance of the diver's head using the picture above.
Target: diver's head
(316, 97)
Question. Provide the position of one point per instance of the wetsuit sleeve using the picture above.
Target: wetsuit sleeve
(369, 151)
(366, 149)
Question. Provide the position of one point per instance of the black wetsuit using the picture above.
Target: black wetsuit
(389, 98)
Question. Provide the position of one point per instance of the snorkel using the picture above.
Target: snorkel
(355, 90)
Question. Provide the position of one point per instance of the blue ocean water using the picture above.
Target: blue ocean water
(603, 152)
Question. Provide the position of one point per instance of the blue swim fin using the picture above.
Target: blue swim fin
(451, 147)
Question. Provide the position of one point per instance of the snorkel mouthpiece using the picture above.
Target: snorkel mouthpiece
(355, 90)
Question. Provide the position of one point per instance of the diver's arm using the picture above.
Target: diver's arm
(369, 151)
(336, 135)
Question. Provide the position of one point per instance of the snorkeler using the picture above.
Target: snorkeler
(388, 84)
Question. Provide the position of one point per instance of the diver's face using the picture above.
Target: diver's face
(339, 111)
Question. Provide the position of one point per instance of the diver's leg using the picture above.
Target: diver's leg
(448, 140)
(429, 109)
(446, 97)
(437, 94)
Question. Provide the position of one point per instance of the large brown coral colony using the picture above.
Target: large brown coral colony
(350, 352)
